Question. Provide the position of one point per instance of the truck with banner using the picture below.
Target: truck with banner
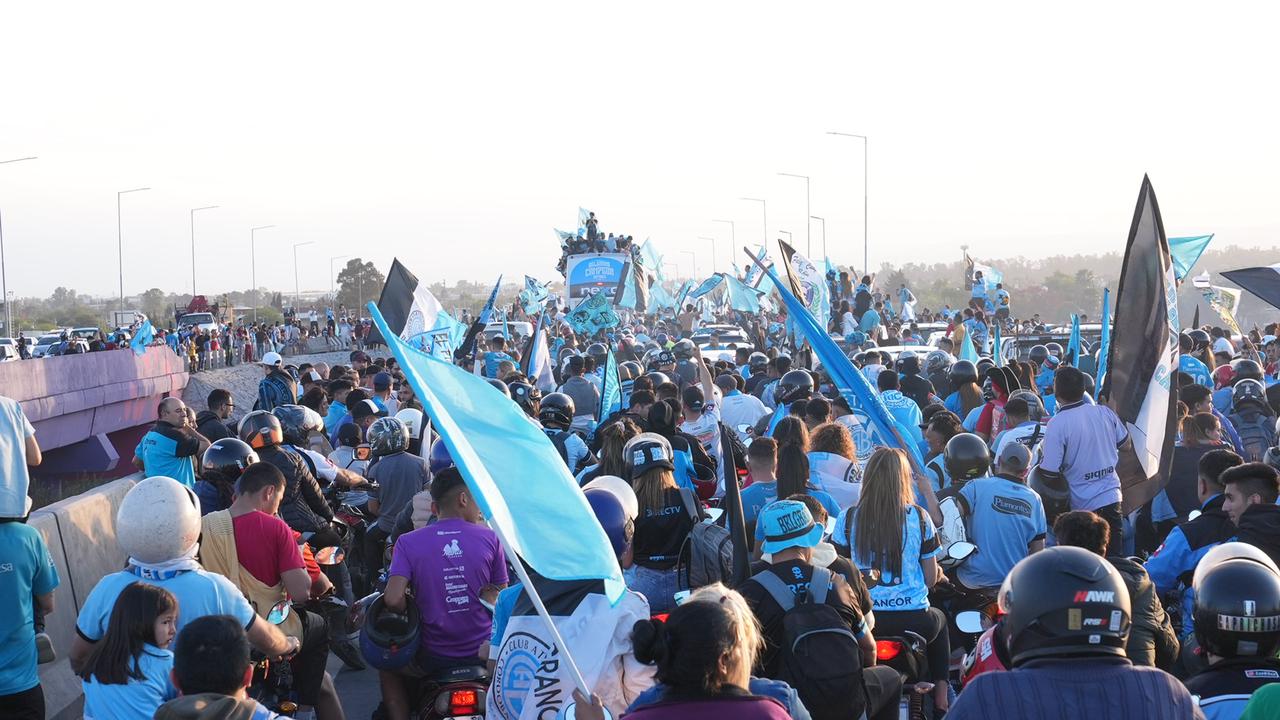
(593, 273)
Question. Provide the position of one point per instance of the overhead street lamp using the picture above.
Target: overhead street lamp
(331, 275)
(807, 240)
(297, 292)
(788, 234)
(253, 265)
(733, 238)
(193, 245)
(824, 233)
(693, 259)
(120, 239)
(866, 264)
(713, 250)
(4, 281)
(764, 230)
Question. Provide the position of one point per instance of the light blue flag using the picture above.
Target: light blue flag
(1104, 345)
(831, 268)
(583, 215)
(626, 297)
(742, 297)
(995, 348)
(1185, 251)
(506, 328)
(876, 426)
(1072, 352)
(143, 338)
(683, 294)
(707, 286)
(487, 312)
(967, 350)
(752, 270)
(512, 469)
(650, 258)
(611, 389)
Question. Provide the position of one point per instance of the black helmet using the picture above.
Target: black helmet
(757, 360)
(1237, 609)
(962, 372)
(795, 385)
(261, 429)
(1064, 601)
(387, 435)
(646, 451)
(937, 360)
(527, 396)
(1248, 390)
(683, 350)
(1053, 492)
(629, 370)
(598, 352)
(1199, 339)
(984, 365)
(908, 362)
(1245, 369)
(226, 459)
(556, 411)
(657, 378)
(1185, 343)
(1054, 349)
(499, 386)
(389, 640)
(1038, 353)
(297, 422)
(966, 457)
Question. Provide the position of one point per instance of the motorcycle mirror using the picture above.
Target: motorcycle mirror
(871, 577)
(744, 428)
(970, 622)
(279, 612)
(571, 712)
(332, 555)
(960, 550)
(1193, 515)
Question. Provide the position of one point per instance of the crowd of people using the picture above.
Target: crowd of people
(1169, 610)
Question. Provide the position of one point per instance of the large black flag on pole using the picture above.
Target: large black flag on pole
(1261, 281)
(1139, 384)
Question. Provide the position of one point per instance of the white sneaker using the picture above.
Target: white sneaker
(44, 647)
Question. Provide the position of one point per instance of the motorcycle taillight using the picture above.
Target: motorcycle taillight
(888, 649)
(464, 702)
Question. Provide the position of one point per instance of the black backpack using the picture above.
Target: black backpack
(819, 655)
(1256, 430)
(707, 554)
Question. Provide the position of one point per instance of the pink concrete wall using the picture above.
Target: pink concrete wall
(74, 397)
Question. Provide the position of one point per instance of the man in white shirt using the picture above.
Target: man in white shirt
(1022, 429)
(738, 408)
(702, 417)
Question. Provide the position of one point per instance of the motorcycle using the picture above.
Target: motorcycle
(454, 694)
(990, 653)
(272, 682)
(343, 640)
(905, 653)
(351, 518)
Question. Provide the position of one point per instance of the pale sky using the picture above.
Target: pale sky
(457, 135)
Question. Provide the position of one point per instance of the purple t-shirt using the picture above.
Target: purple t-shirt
(447, 563)
(1080, 442)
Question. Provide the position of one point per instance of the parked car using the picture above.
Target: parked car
(44, 343)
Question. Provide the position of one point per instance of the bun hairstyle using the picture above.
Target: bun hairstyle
(687, 648)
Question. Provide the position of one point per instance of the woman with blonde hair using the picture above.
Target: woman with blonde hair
(889, 535)
(666, 517)
(833, 463)
(613, 439)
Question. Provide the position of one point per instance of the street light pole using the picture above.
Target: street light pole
(693, 259)
(193, 245)
(733, 238)
(331, 290)
(808, 241)
(253, 265)
(764, 231)
(120, 240)
(824, 233)
(713, 250)
(4, 280)
(866, 263)
(297, 291)
(788, 234)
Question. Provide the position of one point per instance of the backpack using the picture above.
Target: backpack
(819, 655)
(1256, 431)
(707, 554)
(560, 440)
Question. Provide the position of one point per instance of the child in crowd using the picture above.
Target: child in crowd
(127, 676)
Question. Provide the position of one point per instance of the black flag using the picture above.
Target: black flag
(1195, 319)
(1261, 281)
(1139, 384)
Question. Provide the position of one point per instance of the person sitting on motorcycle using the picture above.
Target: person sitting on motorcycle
(791, 563)
(889, 533)
(220, 468)
(1067, 617)
(297, 423)
(255, 549)
(589, 625)
(1004, 518)
(1152, 640)
(212, 670)
(399, 475)
(303, 505)
(1172, 564)
(450, 566)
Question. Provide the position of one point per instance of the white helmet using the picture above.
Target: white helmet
(158, 520)
(620, 490)
(412, 419)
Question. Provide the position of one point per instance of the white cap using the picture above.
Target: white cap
(272, 358)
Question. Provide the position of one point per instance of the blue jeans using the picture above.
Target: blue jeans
(659, 586)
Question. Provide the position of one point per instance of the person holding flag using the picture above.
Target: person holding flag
(702, 417)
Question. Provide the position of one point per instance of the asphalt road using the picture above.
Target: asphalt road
(358, 689)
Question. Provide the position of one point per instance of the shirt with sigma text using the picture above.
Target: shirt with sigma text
(15, 479)
(1004, 517)
(447, 563)
(138, 698)
(919, 542)
(1080, 443)
(167, 451)
(26, 571)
